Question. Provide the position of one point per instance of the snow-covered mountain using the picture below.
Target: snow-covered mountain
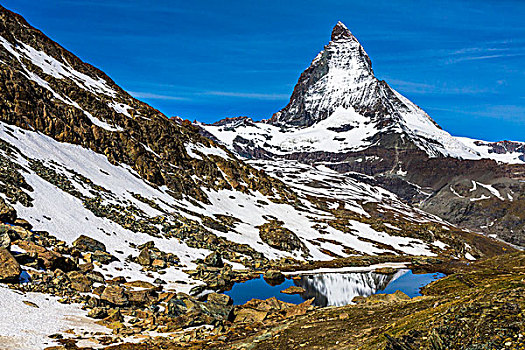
(342, 117)
(338, 105)
(102, 195)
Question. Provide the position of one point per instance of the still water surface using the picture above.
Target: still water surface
(334, 288)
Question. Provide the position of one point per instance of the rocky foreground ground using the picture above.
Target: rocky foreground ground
(477, 306)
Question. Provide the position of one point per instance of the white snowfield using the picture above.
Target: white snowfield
(26, 326)
(486, 152)
(324, 137)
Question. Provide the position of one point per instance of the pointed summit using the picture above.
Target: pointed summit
(340, 85)
(340, 76)
(340, 31)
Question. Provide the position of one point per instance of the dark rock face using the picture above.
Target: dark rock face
(341, 32)
(503, 147)
(9, 268)
(302, 110)
(88, 244)
(7, 212)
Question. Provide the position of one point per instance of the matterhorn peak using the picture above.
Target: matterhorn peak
(340, 31)
(339, 88)
(340, 76)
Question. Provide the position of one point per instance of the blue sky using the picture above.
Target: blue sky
(461, 61)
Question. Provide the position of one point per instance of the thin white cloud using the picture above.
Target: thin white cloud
(151, 96)
(515, 113)
(250, 95)
(484, 57)
(423, 88)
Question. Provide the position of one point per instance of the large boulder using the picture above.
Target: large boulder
(219, 299)
(48, 259)
(5, 239)
(249, 315)
(144, 257)
(79, 282)
(279, 237)
(9, 268)
(7, 212)
(115, 295)
(293, 290)
(10, 233)
(23, 223)
(274, 277)
(140, 296)
(88, 244)
(219, 306)
(214, 260)
(187, 311)
(176, 307)
(102, 257)
(16, 232)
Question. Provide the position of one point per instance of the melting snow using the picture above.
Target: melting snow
(25, 327)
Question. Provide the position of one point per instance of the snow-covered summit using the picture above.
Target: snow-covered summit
(340, 75)
(338, 105)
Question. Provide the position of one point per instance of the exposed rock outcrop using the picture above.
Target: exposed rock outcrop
(9, 267)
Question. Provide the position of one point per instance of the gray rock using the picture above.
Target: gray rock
(114, 295)
(219, 299)
(214, 260)
(98, 312)
(274, 277)
(176, 307)
(144, 257)
(5, 240)
(7, 212)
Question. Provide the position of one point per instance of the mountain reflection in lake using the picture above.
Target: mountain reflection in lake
(335, 289)
(339, 289)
